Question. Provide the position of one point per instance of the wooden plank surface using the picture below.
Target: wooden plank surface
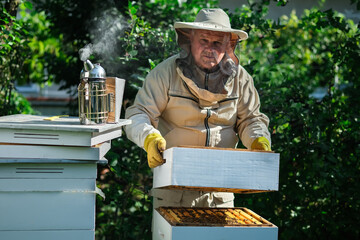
(21, 211)
(115, 86)
(47, 184)
(34, 122)
(48, 234)
(54, 152)
(213, 189)
(48, 171)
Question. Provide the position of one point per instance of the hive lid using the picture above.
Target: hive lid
(35, 122)
(33, 129)
(238, 217)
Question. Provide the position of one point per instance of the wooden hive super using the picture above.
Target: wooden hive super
(218, 169)
(48, 173)
(211, 224)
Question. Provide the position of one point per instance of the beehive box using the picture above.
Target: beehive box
(211, 224)
(48, 175)
(223, 170)
(47, 198)
(31, 129)
(20, 151)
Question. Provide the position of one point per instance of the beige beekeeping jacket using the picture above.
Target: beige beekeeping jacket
(188, 106)
(185, 113)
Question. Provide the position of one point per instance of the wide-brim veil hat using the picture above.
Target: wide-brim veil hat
(212, 19)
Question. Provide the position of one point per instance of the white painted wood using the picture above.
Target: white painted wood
(105, 136)
(48, 235)
(54, 152)
(164, 231)
(163, 175)
(54, 160)
(45, 137)
(31, 129)
(47, 185)
(225, 233)
(48, 171)
(47, 211)
(227, 169)
(23, 121)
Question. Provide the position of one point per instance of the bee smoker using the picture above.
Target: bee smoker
(94, 101)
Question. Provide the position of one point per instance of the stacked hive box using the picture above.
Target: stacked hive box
(222, 170)
(48, 173)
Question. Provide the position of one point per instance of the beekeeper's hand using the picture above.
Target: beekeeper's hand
(154, 145)
(261, 143)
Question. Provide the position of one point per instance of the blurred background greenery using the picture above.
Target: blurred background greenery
(306, 69)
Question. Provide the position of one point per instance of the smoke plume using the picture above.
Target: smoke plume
(105, 31)
(85, 52)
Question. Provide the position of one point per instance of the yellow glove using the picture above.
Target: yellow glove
(154, 145)
(261, 143)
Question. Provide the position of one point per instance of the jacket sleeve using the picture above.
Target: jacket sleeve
(149, 103)
(251, 123)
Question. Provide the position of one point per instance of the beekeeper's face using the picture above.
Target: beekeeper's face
(208, 47)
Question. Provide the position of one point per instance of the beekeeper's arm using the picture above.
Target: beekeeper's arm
(252, 125)
(150, 101)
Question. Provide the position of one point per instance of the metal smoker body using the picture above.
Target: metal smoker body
(94, 101)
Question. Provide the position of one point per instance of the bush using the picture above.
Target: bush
(305, 69)
(317, 136)
(306, 73)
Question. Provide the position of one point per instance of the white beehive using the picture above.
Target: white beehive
(211, 224)
(31, 129)
(219, 170)
(224, 170)
(48, 173)
(47, 196)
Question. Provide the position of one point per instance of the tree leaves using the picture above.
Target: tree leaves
(317, 137)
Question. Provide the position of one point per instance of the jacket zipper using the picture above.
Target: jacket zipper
(206, 122)
(207, 81)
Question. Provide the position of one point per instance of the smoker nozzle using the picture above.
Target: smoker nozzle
(88, 66)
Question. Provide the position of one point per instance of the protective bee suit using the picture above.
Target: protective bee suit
(189, 106)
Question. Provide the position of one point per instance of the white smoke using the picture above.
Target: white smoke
(85, 52)
(104, 33)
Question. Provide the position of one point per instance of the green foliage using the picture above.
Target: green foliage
(291, 60)
(317, 136)
(10, 41)
(43, 47)
(26, 52)
(126, 181)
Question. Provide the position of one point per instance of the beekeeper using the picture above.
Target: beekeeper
(199, 97)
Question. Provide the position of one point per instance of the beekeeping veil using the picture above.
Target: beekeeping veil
(213, 20)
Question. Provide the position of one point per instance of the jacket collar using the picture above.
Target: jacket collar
(209, 86)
